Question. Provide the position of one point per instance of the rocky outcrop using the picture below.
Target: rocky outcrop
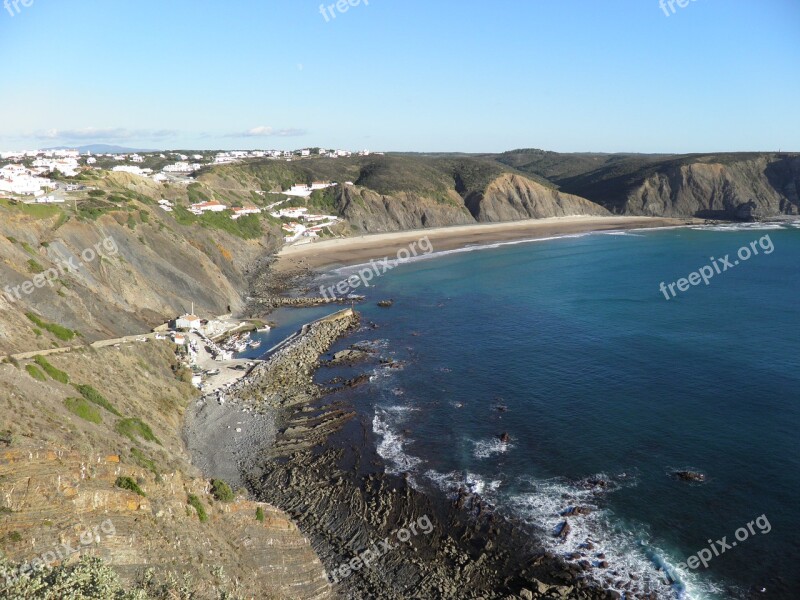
(52, 497)
(368, 211)
(735, 187)
(513, 197)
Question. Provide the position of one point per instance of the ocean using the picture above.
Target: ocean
(605, 388)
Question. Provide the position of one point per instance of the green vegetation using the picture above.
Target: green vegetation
(146, 463)
(4, 510)
(195, 503)
(6, 438)
(260, 514)
(128, 483)
(59, 331)
(36, 211)
(34, 267)
(144, 216)
(12, 537)
(92, 395)
(81, 408)
(35, 372)
(135, 429)
(54, 373)
(96, 193)
(27, 247)
(222, 491)
(197, 194)
(92, 579)
(247, 227)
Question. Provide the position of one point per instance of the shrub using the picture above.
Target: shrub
(34, 267)
(54, 373)
(260, 514)
(221, 490)
(81, 408)
(60, 332)
(146, 463)
(135, 428)
(92, 395)
(195, 503)
(35, 372)
(128, 483)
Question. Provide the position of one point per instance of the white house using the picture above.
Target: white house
(188, 322)
(203, 207)
(247, 210)
(132, 170)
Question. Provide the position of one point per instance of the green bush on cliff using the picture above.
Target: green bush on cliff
(81, 408)
(35, 372)
(60, 332)
(92, 395)
(195, 503)
(54, 373)
(135, 429)
(128, 483)
(260, 514)
(222, 491)
(89, 579)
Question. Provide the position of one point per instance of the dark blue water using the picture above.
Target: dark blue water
(601, 377)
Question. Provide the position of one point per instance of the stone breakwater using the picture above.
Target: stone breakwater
(286, 378)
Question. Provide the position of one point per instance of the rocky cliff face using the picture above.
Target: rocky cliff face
(59, 474)
(511, 197)
(743, 190)
(370, 212)
(748, 186)
(112, 276)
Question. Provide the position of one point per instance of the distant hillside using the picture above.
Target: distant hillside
(405, 191)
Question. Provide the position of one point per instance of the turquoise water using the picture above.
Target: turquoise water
(602, 378)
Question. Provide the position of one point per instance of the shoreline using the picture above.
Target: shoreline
(326, 255)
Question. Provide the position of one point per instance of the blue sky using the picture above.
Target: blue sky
(403, 75)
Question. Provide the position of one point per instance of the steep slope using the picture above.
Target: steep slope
(60, 477)
(122, 270)
(513, 197)
(368, 211)
(719, 186)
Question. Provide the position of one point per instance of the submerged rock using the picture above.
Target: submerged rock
(690, 476)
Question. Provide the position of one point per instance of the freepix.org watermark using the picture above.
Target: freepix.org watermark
(365, 558)
(719, 547)
(341, 6)
(60, 552)
(13, 6)
(717, 267)
(375, 269)
(107, 247)
(671, 4)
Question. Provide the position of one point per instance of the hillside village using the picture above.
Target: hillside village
(37, 177)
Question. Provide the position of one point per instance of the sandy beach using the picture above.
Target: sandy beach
(347, 251)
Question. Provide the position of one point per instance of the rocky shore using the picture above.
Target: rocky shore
(318, 464)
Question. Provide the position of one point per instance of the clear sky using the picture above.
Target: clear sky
(404, 75)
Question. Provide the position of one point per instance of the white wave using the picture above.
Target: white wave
(391, 446)
(627, 551)
(487, 448)
(471, 482)
(740, 227)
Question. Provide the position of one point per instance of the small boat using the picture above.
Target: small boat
(255, 344)
(264, 329)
